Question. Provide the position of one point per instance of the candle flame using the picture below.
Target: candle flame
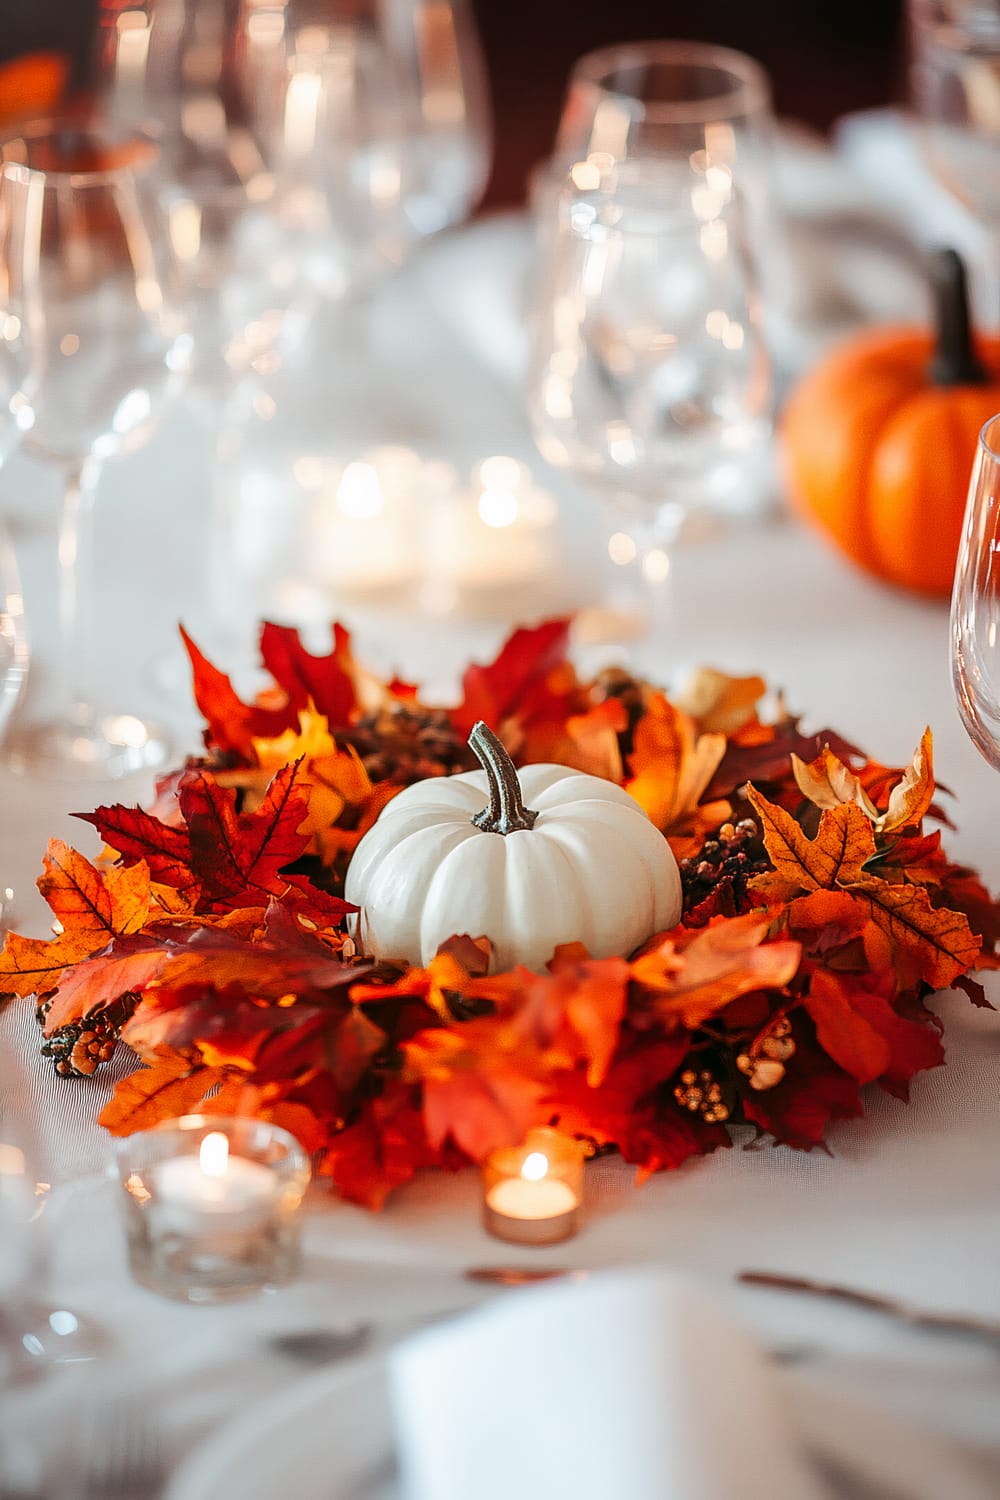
(535, 1166)
(214, 1154)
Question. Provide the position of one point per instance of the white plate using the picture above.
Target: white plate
(329, 1437)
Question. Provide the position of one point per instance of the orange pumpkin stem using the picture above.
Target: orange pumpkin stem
(955, 360)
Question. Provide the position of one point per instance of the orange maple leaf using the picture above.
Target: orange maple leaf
(830, 921)
(481, 1111)
(170, 1087)
(940, 943)
(857, 1025)
(843, 1031)
(929, 942)
(92, 907)
(692, 978)
(836, 856)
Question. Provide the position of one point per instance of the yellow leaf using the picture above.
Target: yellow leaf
(312, 741)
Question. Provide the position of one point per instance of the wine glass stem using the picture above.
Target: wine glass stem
(76, 592)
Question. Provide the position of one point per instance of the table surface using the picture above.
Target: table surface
(906, 1201)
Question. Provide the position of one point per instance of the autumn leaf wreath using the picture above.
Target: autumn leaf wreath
(212, 937)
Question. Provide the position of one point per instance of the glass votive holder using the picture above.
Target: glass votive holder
(211, 1206)
(533, 1193)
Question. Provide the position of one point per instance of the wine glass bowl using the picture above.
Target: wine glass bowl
(84, 262)
(662, 98)
(975, 605)
(90, 282)
(650, 380)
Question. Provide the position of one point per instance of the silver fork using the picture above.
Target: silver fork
(123, 1456)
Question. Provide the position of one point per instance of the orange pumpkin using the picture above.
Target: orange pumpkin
(878, 440)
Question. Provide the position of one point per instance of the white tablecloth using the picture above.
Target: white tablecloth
(907, 1201)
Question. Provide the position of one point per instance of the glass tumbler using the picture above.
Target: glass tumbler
(211, 1206)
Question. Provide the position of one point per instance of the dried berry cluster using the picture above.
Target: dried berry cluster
(716, 880)
(403, 743)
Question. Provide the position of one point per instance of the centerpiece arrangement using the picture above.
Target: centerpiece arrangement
(680, 916)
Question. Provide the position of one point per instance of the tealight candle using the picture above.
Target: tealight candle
(217, 1184)
(210, 1206)
(364, 518)
(533, 1193)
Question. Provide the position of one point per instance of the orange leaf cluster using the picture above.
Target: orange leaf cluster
(214, 928)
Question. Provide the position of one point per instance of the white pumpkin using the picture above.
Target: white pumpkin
(555, 857)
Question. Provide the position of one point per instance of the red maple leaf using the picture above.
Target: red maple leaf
(231, 723)
(632, 1109)
(381, 1150)
(766, 758)
(857, 1026)
(812, 1094)
(327, 680)
(136, 835)
(516, 681)
(238, 854)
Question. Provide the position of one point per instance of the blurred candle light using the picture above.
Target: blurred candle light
(363, 519)
(498, 533)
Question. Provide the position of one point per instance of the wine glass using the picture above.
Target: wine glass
(17, 386)
(955, 88)
(650, 380)
(208, 78)
(447, 108)
(699, 111)
(975, 603)
(87, 264)
(655, 100)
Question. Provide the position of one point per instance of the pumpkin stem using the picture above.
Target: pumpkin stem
(955, 361)
(506, 812)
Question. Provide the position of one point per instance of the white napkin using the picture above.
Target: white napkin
(630, 1386)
